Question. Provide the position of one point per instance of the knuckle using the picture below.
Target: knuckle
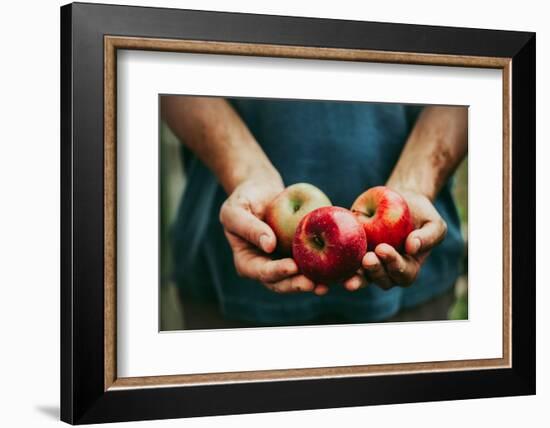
(239, 271)
(443, 226)
(265, 273)
(223, 213)
(262, 277)
(242, 200)
(295, 285)
(398, 267)
(239, 268)
(275, 289)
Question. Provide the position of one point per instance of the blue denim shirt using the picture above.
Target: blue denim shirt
(342, 148)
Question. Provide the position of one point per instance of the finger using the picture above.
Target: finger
(425, 238)
(321, 289)
(265, 270)
(243, 223)
(294, 284)
(400, 269)
(355, 282)
(375, 271)
(251, 263)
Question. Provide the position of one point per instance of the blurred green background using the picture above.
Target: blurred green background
(172, 185)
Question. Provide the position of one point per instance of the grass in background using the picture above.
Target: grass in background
(172, 183)
(459, 309)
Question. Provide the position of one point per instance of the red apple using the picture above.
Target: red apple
(385, 215)
(329, 245)
(289, 207)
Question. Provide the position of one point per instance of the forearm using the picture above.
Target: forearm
(212, 129)
(434, 149)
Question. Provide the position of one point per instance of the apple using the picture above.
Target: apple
(289, 207)
(385, 215)
(329, 245)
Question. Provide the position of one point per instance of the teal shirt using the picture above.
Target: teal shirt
(342, 148)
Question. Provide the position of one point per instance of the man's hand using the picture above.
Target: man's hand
(435, 147)
(213, 130)
(387, 267)
(252, 240)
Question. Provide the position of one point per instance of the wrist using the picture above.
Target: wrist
(258, 173)
(403, 184)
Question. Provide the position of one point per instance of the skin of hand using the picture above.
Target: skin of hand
(217, 135)
(385, 266)
(437, 144)
(252, 240)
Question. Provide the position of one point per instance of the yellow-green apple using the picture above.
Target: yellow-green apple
(385, 215)
(289, 207)
(329, 245)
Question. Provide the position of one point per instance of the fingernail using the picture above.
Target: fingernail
(264, 243)
(309, 287)
(356, 285)
(290, 268)
(416, 245)
(371, 261)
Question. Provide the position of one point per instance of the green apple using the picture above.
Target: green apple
(287, 210)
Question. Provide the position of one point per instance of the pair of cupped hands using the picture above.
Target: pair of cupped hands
(252, 241)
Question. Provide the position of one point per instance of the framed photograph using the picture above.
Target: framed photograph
(267, 213)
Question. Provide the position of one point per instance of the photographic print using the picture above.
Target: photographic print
(302, 208)
(286, 212)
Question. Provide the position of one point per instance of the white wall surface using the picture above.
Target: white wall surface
(29, 214)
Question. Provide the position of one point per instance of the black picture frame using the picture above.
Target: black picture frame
(83, 396)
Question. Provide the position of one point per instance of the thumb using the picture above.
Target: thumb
(243, 223)
(425, 238)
